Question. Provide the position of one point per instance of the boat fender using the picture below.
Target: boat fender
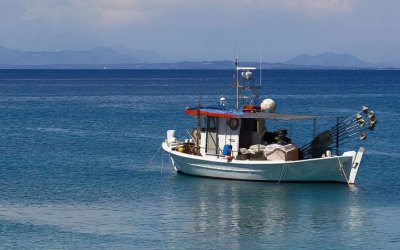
(195, 134)
(233, 123)
(229, 158)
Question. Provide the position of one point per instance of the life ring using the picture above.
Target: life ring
(233, 123)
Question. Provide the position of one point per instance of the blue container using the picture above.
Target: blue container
(227, 150)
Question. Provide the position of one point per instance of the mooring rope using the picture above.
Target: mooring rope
(153, 157)
(162, 161)
(344, 173)
(283, 168)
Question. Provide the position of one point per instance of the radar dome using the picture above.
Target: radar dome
(247, 75)
(268, 105)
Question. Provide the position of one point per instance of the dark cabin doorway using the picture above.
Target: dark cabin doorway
(247, 128)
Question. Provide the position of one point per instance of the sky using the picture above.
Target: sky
(207, 29)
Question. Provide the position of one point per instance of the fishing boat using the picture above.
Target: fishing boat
(233, 142)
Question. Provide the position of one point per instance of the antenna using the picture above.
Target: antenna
(260, 66)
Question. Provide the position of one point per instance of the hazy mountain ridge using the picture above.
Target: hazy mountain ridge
(99, 55)
(124, 58)
(143, 55)
(330, 59)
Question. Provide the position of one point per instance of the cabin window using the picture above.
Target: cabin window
(212, 136)
(212, 124)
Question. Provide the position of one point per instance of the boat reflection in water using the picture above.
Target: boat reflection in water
(275, 215)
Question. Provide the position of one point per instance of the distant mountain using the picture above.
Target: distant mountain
(143, 55)
(96, 56)
(330, 59)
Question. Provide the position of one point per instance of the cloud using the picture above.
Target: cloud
(111, 13)
(319, 7)
(101, 12)
(307, 7)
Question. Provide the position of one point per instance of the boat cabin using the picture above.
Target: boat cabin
(219, 129)
(229, 133)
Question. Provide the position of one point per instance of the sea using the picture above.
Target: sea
(81, 165)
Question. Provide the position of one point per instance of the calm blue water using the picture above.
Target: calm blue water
(74, 145)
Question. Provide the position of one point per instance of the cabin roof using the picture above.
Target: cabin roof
(217, 112)
(274, 116)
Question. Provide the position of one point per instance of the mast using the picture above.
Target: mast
(249, 87)
(237, 79)
(197, 135)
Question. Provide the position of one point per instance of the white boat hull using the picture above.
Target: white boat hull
(330, 169)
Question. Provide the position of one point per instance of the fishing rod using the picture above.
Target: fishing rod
(351, 128)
